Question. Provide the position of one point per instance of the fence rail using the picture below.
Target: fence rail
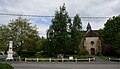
(114, 59)
(59, 60)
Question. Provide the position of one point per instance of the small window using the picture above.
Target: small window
(92, 42)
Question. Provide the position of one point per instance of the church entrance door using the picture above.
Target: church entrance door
(92, 51)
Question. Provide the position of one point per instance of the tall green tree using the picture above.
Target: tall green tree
(75, 33)
(23, 34)
(57, 34)
(111, 32)
(63, 35)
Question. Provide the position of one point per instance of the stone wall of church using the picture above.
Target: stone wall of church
(92, 42)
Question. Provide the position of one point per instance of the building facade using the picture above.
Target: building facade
(91, 42)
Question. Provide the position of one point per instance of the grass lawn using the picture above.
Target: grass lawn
(106, 58)
(5, 66)
(81, 57)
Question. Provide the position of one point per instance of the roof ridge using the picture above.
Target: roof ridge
(91, 33)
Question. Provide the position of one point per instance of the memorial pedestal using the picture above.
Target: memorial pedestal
(10, 51)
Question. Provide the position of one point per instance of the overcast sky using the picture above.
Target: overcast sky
(48, 7)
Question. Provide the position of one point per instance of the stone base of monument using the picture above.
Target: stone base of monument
(10, 51)
(10, 55)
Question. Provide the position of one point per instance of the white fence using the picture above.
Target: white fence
(59, 60)
(114, 59)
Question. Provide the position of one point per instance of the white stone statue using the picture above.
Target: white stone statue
(10, 51)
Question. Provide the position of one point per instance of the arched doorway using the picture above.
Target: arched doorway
(92, 51)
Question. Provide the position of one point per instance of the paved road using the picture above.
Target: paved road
(98, 59)
(60, 65)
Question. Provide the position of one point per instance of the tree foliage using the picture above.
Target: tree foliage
(41, 44)
(23, 34)
(75, 33)
(57, 34)
(111, 32)
(4, 37)
(61, 33)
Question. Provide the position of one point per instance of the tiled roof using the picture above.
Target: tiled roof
(91, 33)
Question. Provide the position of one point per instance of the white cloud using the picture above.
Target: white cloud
(42, 24)
(48, 7)
(94, 22)
(42, 28)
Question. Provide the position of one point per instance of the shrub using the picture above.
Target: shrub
(28, 54)
(5, 66)
(108, 50)
(118, 52)
(83, 53)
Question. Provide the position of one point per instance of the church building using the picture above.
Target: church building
(91, 41)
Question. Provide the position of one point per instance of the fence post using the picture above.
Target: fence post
(25, 59)
(75, 59)
(109, 59)
(37, 59)
(19, 58)
(49, 59)
(62, 59)
(89, 59)
(94, 59)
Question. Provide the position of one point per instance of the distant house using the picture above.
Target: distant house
(91, 41)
